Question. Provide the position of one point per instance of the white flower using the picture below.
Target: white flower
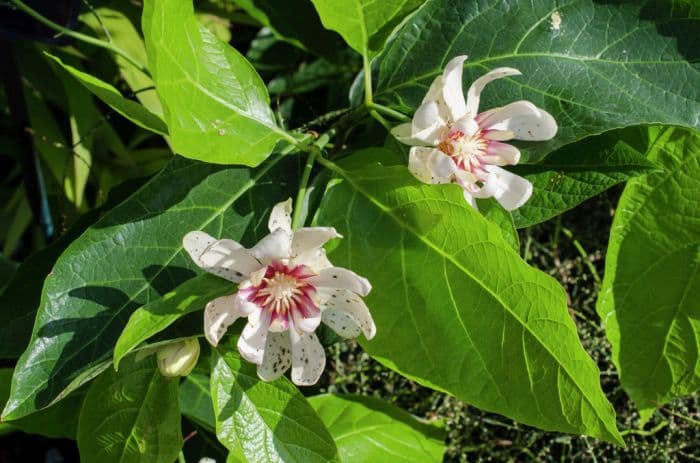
(458, 144)
(287, 287)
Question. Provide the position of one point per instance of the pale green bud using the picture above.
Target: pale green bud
(178, 358)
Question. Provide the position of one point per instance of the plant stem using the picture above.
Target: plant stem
(367, 70)
(181, 458)
(78, 36)
(301, 194)
(388, 112)
(583, 253)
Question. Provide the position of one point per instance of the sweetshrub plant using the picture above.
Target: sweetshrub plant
(196, 291)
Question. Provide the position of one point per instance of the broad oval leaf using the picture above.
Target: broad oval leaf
(132, 110)
(215, 105)
(131, 416)
(577, 172)
(130, 257)
(369, 429)
(265, 421)
(593, 65)
(649, 298)
(195, 399)
(364, 24)
(154, 317)
(457, 309)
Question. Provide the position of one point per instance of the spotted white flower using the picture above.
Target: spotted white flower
(454, 143)
(287, 288)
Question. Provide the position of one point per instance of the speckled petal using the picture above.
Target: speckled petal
(347, 302)
(251, 344)
(308, 358)
(525, 120)
(311, 238)
(474, 92)
(277, 358)
(219, 314)
(341, 278)
(452, 92)
(276, 245)
(281, 216)
(224, 258)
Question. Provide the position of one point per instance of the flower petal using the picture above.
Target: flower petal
(430, 165)
(251, 344)
(427, 124)
(474, 92)
(219, 314)
(307, 323)
(452, 88)
(525, 120)
(510, 190)
(341, 278)
(224, 258)
(277, 358)
(335, 302)
(315, 259)
(310, 238)
(342, 323)
(501, 154)
(308, 358)
(281, 216)
(276, 245)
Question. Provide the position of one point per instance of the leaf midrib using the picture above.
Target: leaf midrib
(448, 257)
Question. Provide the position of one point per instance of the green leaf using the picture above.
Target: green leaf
(369, 429)
(302, 29)
(579, 171)
(457, 309)
(216, 106)
(154, 317)
(59, 421)
(265, 421)
(129, 258)
(364, 24)
(133, 111)
(195, 400)
(493, 212)
(606, 65)
(131, 416)
(649, 298)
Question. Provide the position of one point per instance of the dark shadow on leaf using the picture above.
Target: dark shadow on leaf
(164, 278)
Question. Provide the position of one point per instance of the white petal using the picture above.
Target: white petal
(511, 190)
(501, 154)
(341, 278)
(427, 125)
(335, 302)
(470, 199)
(225, 258)
(435, 91)
(277, 358)
(308, 358)
(452, 88)
(474, 92)
(277, 245)
(402, 133)
(430, 165)
(308, 324)
(281, 216)
(315, 259)
(342, 323)
(219, 314)
(525, 120)
(251, 344)
(310, 238)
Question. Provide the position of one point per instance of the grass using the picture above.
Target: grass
(572, 250)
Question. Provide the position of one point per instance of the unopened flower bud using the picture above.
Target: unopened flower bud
(179, 358)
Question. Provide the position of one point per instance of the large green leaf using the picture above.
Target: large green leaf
(649, 299)
(195, 400)
(132, 256)
(593, 65)
(580, 171)
(215, 104)
(133, 111)
(131, 416)
(369, 429)
(364, 24)
(457, 309)
(263, 421)
(154, 317)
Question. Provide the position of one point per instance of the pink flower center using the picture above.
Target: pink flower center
(465, 150)
(285, 292)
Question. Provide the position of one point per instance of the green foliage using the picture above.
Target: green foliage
(369, 429)
(464, 295)
(605, 65)
(131, 416)
(649, 298)
(265, 421)
(212, 96)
